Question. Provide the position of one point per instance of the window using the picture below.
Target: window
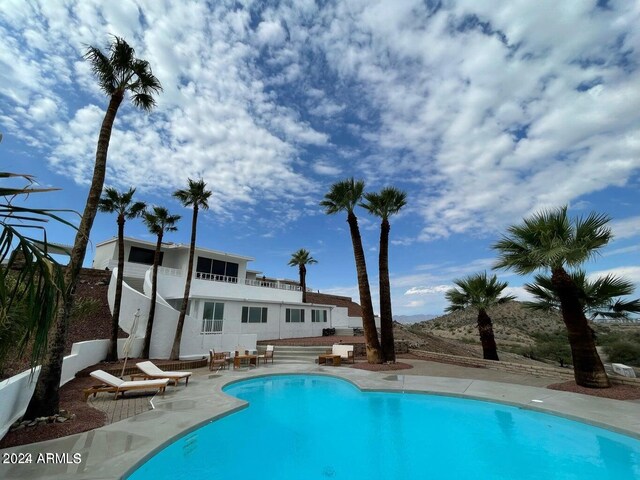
(295, 315)
(212, 317)
(210, 269)
(254, 314)
(319, 316)
(143, 255)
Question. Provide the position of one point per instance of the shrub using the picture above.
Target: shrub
(623, 351)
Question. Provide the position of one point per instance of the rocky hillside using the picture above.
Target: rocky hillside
(513, 325)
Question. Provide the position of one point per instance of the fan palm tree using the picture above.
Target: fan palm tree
(344, 196)
(113, 201)
(301, 259)
(599, 297)
(480, 292)
(384, 204)
(196, 196)
(550, 240)
(118, 72)
(159, 222)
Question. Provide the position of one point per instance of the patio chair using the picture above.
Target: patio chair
(117, 385)
(267, 355)
(218, 359)
(150, 371)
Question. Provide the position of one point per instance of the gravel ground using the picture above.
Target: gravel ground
(71, 400)
(616, 392)
(382, 367)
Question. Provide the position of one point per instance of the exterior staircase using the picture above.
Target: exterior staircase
(295, 354)
(348, 332)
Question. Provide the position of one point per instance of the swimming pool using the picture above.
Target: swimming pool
(316, 427)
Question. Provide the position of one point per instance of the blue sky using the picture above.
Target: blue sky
(483, 112)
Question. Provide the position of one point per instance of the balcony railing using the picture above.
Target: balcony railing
(216, 278)
(268, 284)
(254, 283)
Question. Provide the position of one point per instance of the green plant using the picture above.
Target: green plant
(623, 351)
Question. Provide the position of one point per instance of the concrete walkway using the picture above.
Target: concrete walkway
(116, 449)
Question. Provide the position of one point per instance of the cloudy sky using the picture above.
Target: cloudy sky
(483, 112)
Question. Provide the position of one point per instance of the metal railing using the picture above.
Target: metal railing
(210, 326)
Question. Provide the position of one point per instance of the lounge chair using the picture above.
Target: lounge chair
(345, 352)
(117, 385)
(218, 359)
(267, 355)
(150, 371)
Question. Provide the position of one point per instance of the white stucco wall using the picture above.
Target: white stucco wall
(16, 392)
(103, 254)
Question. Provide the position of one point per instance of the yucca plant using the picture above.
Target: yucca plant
(31, 281)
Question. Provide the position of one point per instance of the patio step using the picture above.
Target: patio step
(348, 332)
(295, 354)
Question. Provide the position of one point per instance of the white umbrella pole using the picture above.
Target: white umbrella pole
(128, 345)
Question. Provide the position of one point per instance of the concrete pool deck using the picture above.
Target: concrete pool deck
(114, 450)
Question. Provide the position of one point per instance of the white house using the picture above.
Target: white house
(230, 305)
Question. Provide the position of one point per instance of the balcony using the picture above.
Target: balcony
(276, 284)
(252, 283)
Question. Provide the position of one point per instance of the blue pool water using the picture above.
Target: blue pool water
(317, 428)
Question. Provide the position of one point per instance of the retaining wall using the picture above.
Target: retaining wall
(541, 370)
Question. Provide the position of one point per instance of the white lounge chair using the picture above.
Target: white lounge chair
(345, 352)
(267, 355)
(150, 371)
(117, 385)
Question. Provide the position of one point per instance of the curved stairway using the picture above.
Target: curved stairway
(295, 354)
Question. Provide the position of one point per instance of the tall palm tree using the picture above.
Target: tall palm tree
(550, 240)
(599, 297)
(113, 201)
(480, 292)
(159, 222)
(117, 73)
(344, 196)
(301, 259)
(196, 196)
(384, 204)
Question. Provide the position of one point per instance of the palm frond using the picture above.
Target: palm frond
(195, 194)
(343, 196)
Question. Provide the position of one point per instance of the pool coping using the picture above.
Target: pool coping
(116, 450)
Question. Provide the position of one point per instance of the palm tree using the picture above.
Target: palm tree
(599, 297)
(302, 258)
(118, 72)
(384, 204)
(121, 203)
(480, 292)
(197, 196)
(159, 222)
(550, 240)
(344, 197)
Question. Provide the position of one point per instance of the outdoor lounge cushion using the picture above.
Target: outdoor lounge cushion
(150, 370)
(117, 385)
(345, 351)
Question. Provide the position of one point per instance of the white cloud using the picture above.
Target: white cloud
(326, 169)
(625, 228)
(489, 110)
(271, 33)
(428, 290)
(631, 273)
